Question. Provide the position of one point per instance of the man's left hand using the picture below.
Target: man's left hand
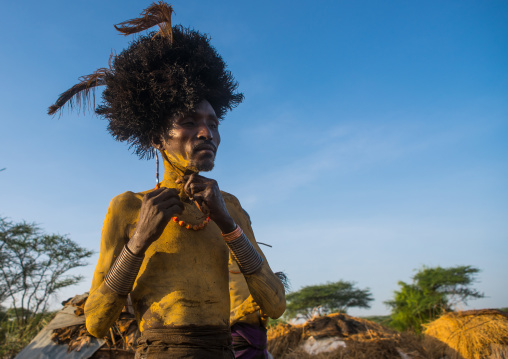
(206, 195)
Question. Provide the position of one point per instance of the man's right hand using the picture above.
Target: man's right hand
(157, 209)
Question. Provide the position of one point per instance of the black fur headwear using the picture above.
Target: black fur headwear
(158, 77)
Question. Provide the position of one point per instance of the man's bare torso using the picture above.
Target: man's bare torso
(184, 276)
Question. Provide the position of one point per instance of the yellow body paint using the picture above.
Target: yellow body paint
(184, 278)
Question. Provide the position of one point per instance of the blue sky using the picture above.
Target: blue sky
(372, 140)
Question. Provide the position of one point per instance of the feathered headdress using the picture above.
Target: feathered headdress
(79, 94)
(159, 76)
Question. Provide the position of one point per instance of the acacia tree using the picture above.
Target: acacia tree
(433, 292)
(327, 298)
(34, 266)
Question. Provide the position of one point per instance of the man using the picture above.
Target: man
(169, 247)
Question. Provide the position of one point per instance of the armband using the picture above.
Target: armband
(248, 259)
(123, 272)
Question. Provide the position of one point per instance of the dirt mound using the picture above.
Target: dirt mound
(472, 334)
(343, 326)
(341, 336)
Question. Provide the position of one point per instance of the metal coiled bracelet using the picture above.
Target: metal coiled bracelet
(123, 272)
(246, 256)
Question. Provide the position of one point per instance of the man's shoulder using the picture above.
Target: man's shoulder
(229, 198)
(122, 213)
(126, 201)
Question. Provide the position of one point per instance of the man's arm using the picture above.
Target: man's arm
(265, 287)
(104, 305)
(121, 258)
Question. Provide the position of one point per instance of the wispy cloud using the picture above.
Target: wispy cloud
(324, 152)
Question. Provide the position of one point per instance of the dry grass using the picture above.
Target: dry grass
(499, 351)
(122, 335)
(14, 337)
(357, 347)
(474, 334)
(364, 340)
(284, 337)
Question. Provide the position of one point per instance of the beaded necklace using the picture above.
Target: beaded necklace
(181, 223)
(195, 227)
(186, 225)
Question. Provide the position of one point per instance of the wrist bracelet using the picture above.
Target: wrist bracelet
(123, 272)
(233, 235)
(246, 256)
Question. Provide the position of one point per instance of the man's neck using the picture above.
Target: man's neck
(173, 171)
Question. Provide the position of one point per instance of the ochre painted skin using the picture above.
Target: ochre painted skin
(184, 278)
(243, 307)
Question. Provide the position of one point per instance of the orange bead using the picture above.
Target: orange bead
(195, 227)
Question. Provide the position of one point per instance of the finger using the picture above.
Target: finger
(160, 191)
(170, 202)
(195, 188)
(194, 178)
(198, 198)
(189, 181)
(201, 204)
(166, 194)
(153, 193)
(171, 211)
(176, 208)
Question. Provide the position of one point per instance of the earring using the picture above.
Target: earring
(157, 170)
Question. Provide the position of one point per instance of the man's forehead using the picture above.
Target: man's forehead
(204, 109)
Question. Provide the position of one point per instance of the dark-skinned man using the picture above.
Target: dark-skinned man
(169, 247)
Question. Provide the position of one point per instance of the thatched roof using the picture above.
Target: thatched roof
(66, 336)
(472, 334)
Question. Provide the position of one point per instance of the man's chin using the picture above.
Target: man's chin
(204, 166)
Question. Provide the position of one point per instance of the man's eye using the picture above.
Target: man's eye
(188, 123)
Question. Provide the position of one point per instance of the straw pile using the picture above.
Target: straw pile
(473, 334)
(121, 338)
(356, 338)
(283, 338)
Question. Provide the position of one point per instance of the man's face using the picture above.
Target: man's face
(193, 139)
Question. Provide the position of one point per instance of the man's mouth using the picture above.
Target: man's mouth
(208, 147)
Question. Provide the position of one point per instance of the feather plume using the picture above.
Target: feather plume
(156, 14)
(284, 279)
(79, 94)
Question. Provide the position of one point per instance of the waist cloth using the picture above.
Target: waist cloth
(201, 342)
(249, 341)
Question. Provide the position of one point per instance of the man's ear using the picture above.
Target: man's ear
(158, 143)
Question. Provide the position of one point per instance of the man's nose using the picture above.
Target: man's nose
(204, 132)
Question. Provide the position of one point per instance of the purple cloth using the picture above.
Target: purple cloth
(249, 341)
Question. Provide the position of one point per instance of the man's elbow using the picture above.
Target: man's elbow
(279, 309)
(102, 309)
(94, 327)
(275, 306)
